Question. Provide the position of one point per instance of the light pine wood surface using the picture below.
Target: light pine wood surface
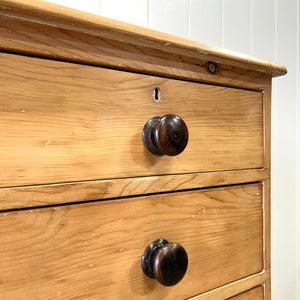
(234, 288)
(43, 195)
(41, 12)
(24, 36)
(77, 90)
(253, 294)
(65, 122)
(94, 250)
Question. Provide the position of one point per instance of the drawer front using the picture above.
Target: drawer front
(256, 293)
(64, 122)
(94, 250)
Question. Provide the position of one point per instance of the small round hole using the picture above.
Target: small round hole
(212, 68)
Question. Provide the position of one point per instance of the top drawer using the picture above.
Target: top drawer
(63, 122)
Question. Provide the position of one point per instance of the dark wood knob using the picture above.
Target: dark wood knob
(164, 261)
(167, 135)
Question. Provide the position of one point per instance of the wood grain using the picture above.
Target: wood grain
(41, 40)
(267, 223)
(267, 289)
(256, 293)
(267, 124)
(266, 186)
(31, 196)
(79, 22)
(267, 235)
(234, 288)
(93, 250)
(64, 122)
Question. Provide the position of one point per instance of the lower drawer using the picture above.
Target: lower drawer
(93, 250)
(256, 293)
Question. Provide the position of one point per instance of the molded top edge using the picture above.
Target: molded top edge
(55, 15)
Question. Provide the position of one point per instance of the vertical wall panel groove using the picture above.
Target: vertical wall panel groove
(222, 21)
(276, 29)
(206, 21)
(263, 29)
(169, 16)
(189, 19)
(132, 11)
(237, 25)
(148, 4)
(298, 155)
(251, 27)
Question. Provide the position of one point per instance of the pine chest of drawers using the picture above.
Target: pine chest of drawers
(128, 154)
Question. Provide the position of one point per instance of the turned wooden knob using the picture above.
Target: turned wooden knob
(167, 135)
(164, 261)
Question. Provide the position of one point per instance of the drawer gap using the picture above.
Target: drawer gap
(173, 77)
(126, 197)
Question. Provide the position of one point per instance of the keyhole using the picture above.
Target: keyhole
(156, 94)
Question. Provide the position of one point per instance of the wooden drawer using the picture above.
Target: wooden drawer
(256, 293)
(93, 250)
(65, 122)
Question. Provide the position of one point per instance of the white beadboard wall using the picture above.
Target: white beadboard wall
(265, 28)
